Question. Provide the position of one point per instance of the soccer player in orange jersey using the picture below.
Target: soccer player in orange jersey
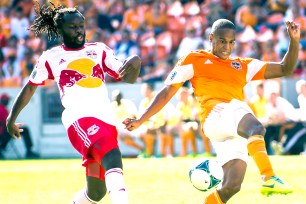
(218, 81)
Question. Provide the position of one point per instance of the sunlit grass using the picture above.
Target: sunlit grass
(149, 181)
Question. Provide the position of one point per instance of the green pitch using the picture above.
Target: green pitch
(149, 181)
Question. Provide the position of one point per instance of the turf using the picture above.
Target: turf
(149, 181)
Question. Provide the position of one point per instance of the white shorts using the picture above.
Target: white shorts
(221, 126)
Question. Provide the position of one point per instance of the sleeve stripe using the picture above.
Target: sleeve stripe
(50, 74)
(180, 74)
(253, 68)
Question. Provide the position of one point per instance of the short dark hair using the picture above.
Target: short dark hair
(222, 23)
(48, 20)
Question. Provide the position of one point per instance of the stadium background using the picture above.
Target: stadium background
(43, 113)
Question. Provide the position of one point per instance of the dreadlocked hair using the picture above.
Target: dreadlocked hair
(48, 20)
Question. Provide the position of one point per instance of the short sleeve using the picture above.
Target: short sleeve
(40, 72)
(181, 73)
(111, 61)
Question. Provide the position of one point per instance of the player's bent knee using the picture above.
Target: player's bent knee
(254, 129)
(258, 129)
(96, 188)
(112, 159)
(97, 195)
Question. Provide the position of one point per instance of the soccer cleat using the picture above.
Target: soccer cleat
(275, 186)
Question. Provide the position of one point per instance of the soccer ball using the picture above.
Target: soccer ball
(206, 174)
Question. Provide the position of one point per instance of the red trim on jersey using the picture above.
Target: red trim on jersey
(50, 74)
(108, 70)
(35, 84)
(72, 49)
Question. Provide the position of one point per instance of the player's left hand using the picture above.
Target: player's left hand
(293, 30)
(14, 130)
(131, 124)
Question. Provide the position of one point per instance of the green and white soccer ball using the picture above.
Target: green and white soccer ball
(206, 174)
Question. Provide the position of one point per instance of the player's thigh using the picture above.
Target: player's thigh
(222, 122)
(230, 149)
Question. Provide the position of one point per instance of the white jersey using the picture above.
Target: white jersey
(80, 76)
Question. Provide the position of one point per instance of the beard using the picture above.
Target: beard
(73, 42)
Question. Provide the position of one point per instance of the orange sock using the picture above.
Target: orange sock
(257, 150)
(213, 198)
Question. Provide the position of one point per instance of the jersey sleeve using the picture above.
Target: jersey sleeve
(181, 73)
(40, 72)
(110, 63)
(256, 69)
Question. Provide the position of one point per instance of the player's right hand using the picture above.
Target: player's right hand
(13, 129)
(131, 124)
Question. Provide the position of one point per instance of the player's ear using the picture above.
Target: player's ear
(211, 37)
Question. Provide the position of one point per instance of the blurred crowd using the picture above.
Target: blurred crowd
(158, 31)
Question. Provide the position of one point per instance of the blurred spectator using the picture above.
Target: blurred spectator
(26, 5)
(155, 73)
(281, 115)
(188, 126)
(103, 18)
(255, 51)
(301, 91)
(250, 14)
(133, 16)
(27, 65)
(269, 53)
(91, 29)
(276, 11)
(20, 24)
(190, 42)
(213, 10)
(36, 44)
(125, 108)
(126, 46)
(11, 71)
(5, 138)
(282, 41)
(149, 129)
(5, 24)
(258, 103)
(14, 45)
(156, 18)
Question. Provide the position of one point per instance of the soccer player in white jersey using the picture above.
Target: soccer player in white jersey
(79, 69)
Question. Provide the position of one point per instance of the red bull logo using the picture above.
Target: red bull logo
(82, 72)
(69, 77)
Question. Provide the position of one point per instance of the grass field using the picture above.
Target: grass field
(149, 181)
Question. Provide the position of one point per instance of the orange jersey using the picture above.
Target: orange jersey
(215, 80)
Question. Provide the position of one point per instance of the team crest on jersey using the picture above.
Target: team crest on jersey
(173, 74)
(236, 65)
(92, 54)
(93, 129)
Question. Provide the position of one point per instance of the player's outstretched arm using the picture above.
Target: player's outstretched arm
(288, 63)
(130, 69)
(20, 102)
(158, 102)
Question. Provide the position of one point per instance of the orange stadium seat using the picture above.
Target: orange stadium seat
(147, 43)
(176, 26)
(164, 45)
